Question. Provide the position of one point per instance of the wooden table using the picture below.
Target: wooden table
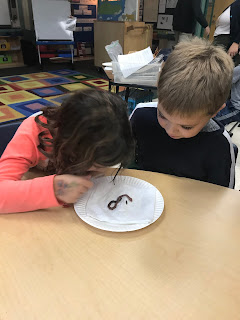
(128, 86)
(184, 266)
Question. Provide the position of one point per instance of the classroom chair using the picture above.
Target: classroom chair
(235, 151)
(7, 131)
(233, 127)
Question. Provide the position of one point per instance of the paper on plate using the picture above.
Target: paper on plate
(140, 210)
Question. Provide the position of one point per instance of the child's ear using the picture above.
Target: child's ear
(223, 106)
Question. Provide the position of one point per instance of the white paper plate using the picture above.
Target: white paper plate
(80, 206)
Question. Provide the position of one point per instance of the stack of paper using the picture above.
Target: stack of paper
(130, 63)
(145, 75)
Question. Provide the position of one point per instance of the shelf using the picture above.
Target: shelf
(10, 50)
(75, 59)
(83, 58)
(10, 36)
(11, 33)
(11, 65)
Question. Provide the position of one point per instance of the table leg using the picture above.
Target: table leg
(127, 94)
(150, 96)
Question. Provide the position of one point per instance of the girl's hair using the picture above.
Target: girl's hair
(90, 127)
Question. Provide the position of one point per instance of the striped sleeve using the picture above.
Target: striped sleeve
(221, 162)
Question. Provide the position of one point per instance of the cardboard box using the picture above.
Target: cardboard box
(133, 36)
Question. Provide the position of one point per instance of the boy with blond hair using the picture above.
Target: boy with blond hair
(177, 134)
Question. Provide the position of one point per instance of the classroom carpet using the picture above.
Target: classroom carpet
(23, 95)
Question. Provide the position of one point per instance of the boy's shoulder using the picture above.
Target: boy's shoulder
(213, 129)
(213, 126)
(215, 138)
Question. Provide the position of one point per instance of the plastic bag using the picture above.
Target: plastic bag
(114, 49)
(71, 23)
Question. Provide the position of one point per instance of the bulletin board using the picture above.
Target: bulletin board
(165, 14)
(86, 13)
(119, 10)
(150, 10)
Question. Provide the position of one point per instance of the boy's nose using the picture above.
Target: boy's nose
(171, 130)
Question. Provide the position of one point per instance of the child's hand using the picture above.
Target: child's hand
(69, 188)
(207, 31)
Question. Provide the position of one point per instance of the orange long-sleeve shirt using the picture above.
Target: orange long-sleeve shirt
(18, 195)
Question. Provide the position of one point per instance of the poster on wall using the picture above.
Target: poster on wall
(171, 4)
(165, 22)
(162, 6)
(119, 10)
(150, 10)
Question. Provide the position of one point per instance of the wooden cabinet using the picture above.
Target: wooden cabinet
(10, 52)
(133, 36)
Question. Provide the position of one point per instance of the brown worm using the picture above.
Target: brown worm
(113, 204)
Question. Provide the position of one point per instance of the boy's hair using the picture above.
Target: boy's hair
(90, 127)
(196, 78)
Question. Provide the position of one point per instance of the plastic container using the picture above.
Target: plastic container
(4, 45)
(5, 58)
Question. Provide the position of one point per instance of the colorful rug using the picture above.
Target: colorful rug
(23, 95)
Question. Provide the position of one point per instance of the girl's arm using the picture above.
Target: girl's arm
(21, 154)
(199, 16)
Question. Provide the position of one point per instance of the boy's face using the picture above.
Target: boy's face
(178, 127)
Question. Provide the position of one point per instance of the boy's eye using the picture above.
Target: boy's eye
(160, 115)
(186, 128)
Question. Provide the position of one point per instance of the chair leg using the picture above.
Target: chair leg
(39, 58)
(234, 126)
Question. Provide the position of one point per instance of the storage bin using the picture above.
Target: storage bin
(5, 58)
(4, 45)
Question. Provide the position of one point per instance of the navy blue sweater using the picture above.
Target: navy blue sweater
(209, 156)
